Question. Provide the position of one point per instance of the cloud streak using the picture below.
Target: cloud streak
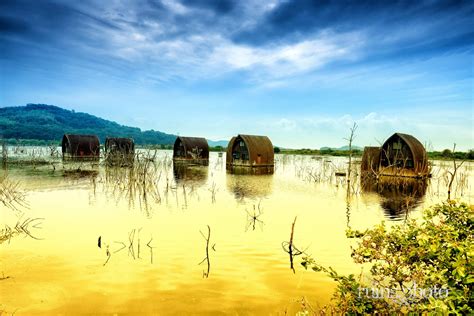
(306, 67)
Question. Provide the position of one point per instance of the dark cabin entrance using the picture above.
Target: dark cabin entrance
(240, 150)
(396, 153)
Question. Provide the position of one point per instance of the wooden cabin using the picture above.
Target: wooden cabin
(80, 146)
(400, 155)
(119, 150)
(403, 154)
(370, 159)
(191, 150)
(250, 151)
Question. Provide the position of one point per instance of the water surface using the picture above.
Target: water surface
(153, 237)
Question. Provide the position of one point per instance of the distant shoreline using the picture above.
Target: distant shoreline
(440, 155)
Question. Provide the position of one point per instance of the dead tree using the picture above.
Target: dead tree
(453, 173)
(350, 140)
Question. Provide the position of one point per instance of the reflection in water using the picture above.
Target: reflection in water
(246, 186)
(135, 184)
(251, 170)
(398, 195)
(254, 217)
(207, 259)
(290, 248)
(189, 174)
(79, 173)
(134, 246)
(21, 228)
(58, 274)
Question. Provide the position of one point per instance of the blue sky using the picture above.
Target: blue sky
(300, 72)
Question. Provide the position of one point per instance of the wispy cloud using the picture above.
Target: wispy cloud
(303, 67)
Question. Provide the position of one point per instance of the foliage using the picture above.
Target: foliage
(276, 150)
(447, 154)
(216, 148)
(46, 123)
(409, 260)
(324, 152)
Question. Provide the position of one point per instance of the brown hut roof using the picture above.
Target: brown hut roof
(123, 144)
(228, 155)
(194, 142)
(370, 159)
(256, 145)
(81, 145)
(417, 149)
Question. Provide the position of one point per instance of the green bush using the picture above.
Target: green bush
(410, 260)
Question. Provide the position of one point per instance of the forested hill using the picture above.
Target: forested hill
(49, 123)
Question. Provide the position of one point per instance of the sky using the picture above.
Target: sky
(301, 72)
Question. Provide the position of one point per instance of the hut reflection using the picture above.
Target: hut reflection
(189, 174)
(398, 196)
(246, 186)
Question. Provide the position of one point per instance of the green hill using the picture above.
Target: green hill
(48, 123)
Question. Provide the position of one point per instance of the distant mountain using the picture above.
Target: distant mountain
(342, 148)
(49, 123)
(215, 143)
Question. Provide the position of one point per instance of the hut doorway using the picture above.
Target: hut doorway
(191, 150)
(240, 150)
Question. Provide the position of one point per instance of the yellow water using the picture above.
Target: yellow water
(65, 272)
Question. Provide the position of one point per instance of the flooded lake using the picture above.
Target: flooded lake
(173, 240)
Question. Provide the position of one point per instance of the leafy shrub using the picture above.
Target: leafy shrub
(412, 261)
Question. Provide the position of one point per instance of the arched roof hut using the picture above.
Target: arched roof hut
(119, 150)
(119, 144)
(404, 152)
(370, 159)
(250, 151)
(191, 149)
(80, 146)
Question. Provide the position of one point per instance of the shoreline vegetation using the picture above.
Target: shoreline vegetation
(446, 154)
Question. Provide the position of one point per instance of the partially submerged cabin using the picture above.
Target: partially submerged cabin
(370, 159)
(119, 150)
(191, 150)
(400, 155)
(404, 152)
(80, 146)
(250, 151)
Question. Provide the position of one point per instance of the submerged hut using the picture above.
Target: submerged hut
(251, 151)
(119, 150)
(403, 152)
(370, 159)
(80, 146)
(400, 155)
(191, 150)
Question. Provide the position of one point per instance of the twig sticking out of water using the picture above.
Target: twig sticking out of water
(290, 248)
(253, 218)
(151, 249)
(4, 278)
(213, 190)
(453, 173)
(205, 274)
(131, 238)
(20, 228)
(350, 140)
(108, 254)
(11, 195)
